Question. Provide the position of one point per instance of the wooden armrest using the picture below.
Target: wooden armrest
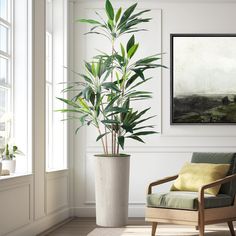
(161, 181)
(210, 185)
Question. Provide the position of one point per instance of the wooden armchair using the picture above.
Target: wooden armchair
(207, 209)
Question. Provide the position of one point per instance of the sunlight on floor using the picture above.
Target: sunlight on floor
(163, 230)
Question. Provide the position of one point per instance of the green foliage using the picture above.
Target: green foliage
(9, 152)
(105, 93)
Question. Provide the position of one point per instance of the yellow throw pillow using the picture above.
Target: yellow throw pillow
(193, 175)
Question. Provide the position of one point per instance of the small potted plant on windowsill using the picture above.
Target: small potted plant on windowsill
(9, 158)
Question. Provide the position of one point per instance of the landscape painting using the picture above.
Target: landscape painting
(203, 79)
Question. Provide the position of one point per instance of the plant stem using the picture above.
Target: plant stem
(103, 145)
(118, 149)
(118, 146)
(115, 142)
(112, 132)
(106, 143)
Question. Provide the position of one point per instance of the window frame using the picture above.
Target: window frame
(57, 161)
(8, 23)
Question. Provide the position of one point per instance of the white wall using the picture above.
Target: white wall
(163, 154)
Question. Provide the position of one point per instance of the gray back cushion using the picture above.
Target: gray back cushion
(219, 158)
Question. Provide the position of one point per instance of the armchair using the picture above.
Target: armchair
(196, 208)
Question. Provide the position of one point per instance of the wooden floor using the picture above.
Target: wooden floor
(83, 226)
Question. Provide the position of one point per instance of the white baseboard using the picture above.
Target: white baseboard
(38, 226)
(134, 211)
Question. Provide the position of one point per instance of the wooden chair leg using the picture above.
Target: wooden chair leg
(201, 230)
(201, 218)
(154, 228)
(231, 228)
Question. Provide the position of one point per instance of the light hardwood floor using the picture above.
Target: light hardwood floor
(83, 226)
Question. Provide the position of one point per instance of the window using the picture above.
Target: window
(49, 101)
(15, 79)
(56, 75)
(5, 71)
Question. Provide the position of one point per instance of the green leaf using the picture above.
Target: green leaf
(139, 72)
(132, 50)
(83, 119)
(139, 94)
(130, 43)
(88, 67)
(118, 14)
(141, 121)
(86, 78)
(122, 50)
(110, 121)
(110, 24)
(90, 21)
(121, 141)
(69, 102)
(112, 101)
(77, 130)
(116, 109)
(147, 60)
(92, 98)
(133, 31)
(100, 136)
(83, 104)
(127, 14)
(139, 13)
(94, 70)
(145, 133)
(131, 117)
(109, 10)
(67, 110)
(131, 80)
(136, 138)
(14, 148)
(127, 128)
(139, 83)
(98, 68)
(111, 85)
(144, 127)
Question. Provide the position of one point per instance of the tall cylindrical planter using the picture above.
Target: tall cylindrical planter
(0, 168)
(112, 190)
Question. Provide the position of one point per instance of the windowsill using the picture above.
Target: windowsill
(14, 175)
(56, 170)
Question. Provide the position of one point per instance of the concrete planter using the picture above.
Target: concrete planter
(112, 190)
(0, 168)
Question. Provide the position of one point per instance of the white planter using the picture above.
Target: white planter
(112, 190)
(9, 165)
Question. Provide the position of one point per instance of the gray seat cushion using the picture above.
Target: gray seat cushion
(219, 158)
(186, 200)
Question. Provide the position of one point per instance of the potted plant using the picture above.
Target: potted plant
(106, 93)
(9, 158)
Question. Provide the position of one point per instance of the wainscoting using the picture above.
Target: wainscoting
(18, 206)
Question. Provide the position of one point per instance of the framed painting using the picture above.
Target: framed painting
(203, 78)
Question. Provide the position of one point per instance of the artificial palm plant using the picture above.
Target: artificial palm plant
(112, 82)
